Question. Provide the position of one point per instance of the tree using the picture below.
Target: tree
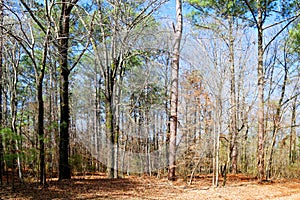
(237, 12)
(13, 55)
(39, 64)
(121, 25)
(292, 147)
(1, 88)
(174, 90)
(260, 10)
(61, 35)
(225, 14)
(260, 84)
(63, 59)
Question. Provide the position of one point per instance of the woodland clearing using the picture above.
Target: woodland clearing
(133, 187)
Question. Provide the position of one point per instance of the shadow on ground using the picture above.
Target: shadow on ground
(73, 189)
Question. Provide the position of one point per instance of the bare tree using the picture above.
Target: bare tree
(259, 13)
(113, 55)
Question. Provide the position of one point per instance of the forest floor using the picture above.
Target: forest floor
(98, 187)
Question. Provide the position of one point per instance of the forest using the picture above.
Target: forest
(183, 94)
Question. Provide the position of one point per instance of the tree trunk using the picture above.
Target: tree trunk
(39, 81)
(167, 111)
(242, 119)
(14, 141)
(217, 130)
(174, 91)
(53, 120)
(64, 168)
(40, 129)
(117, 124)
(276, 123)
(109, 126)
(260, 112)
(292, 148)
(64, 28)
(1, 88)
(233, 122)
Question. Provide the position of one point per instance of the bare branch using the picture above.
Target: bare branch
(86, 45)
(252, 12)
(279, 32)
(33, 16)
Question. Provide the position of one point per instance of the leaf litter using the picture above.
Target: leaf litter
(145, 187)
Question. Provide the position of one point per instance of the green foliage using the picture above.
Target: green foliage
(76, 161)
(295, 38)
(9, 157)
(134, 59)
(11, 139)
(9, 135)
(63, 125)
(291, 171)
(289, 7)
(52, 126)
(221, 8)
(239, 9)
(31, 155)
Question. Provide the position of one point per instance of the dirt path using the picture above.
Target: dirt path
(153, 188)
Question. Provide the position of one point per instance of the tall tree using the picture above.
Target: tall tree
(39, 80)
(39, 64)
(278, 113)
(121, 25)
(292, 147)
(260, 10)
(63, 59)
(260, 84)
(12, 77)
(61, 40)
(1, 83)
(239, 11)
(225, 14)
(174, 90)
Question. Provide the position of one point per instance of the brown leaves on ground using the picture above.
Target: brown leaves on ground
(98, 187)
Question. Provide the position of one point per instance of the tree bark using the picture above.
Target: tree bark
(109, 125)
(167, 103)
(40, 130)
(64, 168)
(174, 91)
(292, 147)
(260, 112)
(64, 32)
(14, 141)
(233, 118)
(1, 88)
(276, 124)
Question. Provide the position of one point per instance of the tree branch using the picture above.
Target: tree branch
(280, 22)
(252, 12)
(33, 16)
(86, 45)
(279, 32)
